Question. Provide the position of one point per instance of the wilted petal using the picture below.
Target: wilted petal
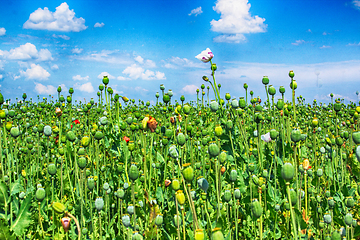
(266, 137)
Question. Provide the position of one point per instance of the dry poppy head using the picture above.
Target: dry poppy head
(152, 124)
(172, 120)
(167, 182)
(65, 222)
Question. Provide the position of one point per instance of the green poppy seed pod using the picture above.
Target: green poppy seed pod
(237, 193)
(120, 193)
(293, 83)
(68, 99)
(356, 137)
(62, 99)
(214, 106)
(70, 135)
(130, 209)
(217, 234)
(348, 219)
(173, 152)
(90, 183)
(242, 103)
(159, 219)
(180, 197)
(51, 169)
(99, 203)
(199, 234)
(98, 135)
(188, 172)
(162, 87)
(349, 202)
(177, 220)
(291, 73)
(295, 135)
(186, 109)
(251, 167)
(85, 141)
(227, 195)
(218, 131)
(1, 99)
(233, 175)
(15, 132)
(133, 172)
(166, 98)
(105, 80)
(202, 86)
(235, 103)
(126, 220)
(265, 80)
(213, 150)
(222, 157)
(182, 98)
(40, 194)
(287, 171)
(203, 184)
(58, 207)
(256, 209)
(335, 235)
(327, 218)
(245, 86)
(71, 90)
(227, 96)
(24, 96)
(81, 162)
(170, 93)
(354, 223)
(272, 90)
(293, 196)
(175, 184)
(181, 140)
(157, 95)
(319, 172)
(331, 202)
(274, 134)
(110, 91)
(59, 89)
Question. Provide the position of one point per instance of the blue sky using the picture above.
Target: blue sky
(142, 44)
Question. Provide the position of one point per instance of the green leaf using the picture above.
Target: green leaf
(5, 231)
(159, 194)
(15, 188)
(3, 194)
(23, 219)
(160, 158)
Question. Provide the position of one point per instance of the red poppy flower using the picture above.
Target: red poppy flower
(126, 139)
(77, 121)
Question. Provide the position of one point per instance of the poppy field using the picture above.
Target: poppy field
(236, 167)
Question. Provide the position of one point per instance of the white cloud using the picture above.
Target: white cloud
(196, 11)
(108, 56)
(235, 21)
(176, 62)
(101, 75)
(35, 72)
(77, 50)
(139, 59)
(1, 76)
(353, 44)
(136, 72)
(298, 42)
(230, 38)
(356, 4)
(99, 25)
(190, 89)
(79, 78)
(27, 51)
(2, 31)
(324, 46)
(149, 64)
(86, 87)
(121, 78)
(61, 36)
(54, 67)
(63, 19)
(42, 89)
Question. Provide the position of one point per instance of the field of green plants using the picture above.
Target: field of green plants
(230, 168)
